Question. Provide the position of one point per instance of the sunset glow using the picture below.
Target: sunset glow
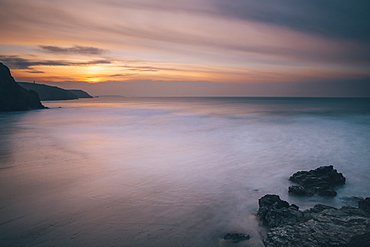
(75, 44)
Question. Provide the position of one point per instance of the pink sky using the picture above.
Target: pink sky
(187, 48)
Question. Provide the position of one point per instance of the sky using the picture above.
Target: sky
(190, 48)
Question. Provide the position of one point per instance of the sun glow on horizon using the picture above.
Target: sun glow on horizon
(98, 43)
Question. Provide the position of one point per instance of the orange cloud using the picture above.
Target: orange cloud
(105, 41)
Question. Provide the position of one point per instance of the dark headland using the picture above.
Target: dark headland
(80, 93)
(13, 97)
(47, 92)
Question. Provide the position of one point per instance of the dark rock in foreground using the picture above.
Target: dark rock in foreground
(362, 240)
(13, 97)
(320, 226)
(275, 212)
(236, 237)
(364, 204)
(321, 181)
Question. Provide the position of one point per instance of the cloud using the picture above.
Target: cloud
(116, 75)
(337, 19)
(206, 30)
(314, 88)
(80, 50)
(16, 62)
(204, 40)
(36, 72)
(142, 68)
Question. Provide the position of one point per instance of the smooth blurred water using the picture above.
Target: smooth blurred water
(169, 171)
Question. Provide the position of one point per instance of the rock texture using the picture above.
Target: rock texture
(13, 97)
(321, 181)
(236, 237)
(320, 226)
(275, 212)
(47, 92)
(364, 204)
(362, 240)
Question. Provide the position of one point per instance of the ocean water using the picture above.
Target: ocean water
(169, 171)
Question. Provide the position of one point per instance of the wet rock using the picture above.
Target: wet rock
(275, 212)
(327, 192)
(362, 240)
(351, 200)
(299, 191)
(319, 226)
(321, 181)
(236, 237)
(364, 204)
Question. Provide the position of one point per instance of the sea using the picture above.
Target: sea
(146, 172)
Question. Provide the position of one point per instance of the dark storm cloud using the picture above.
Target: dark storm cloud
(80, 50)
(16, 62)
(338, 19)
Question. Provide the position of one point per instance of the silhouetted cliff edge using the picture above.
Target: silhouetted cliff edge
(80, 93)
(13, 97)
(48, 92)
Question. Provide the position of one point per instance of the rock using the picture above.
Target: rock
(13, 97)
(319, 208)
(299, 191)
(364, 204)
(362, 240)
(319, 226)
(236, 237)
(275, 212)
(321, 181)
(352, 200)
(327, 192)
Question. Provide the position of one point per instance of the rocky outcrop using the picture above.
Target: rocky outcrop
(236, 237)
(47, 92)
(362, 240)
(321, 181)
(275, 212)
(320, 226)
(13, 97)
(364, 204)
(80, 93)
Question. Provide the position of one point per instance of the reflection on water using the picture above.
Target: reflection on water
(168, 172)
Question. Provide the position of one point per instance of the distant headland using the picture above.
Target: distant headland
(54, 93)
(22, 96)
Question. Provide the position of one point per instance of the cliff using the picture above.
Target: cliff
(13, 97)
(80, 93)
(48, 92)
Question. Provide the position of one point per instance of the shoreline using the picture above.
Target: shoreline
(319, 226)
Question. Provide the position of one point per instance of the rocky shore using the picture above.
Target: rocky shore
(321, 181)
(320, 226)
